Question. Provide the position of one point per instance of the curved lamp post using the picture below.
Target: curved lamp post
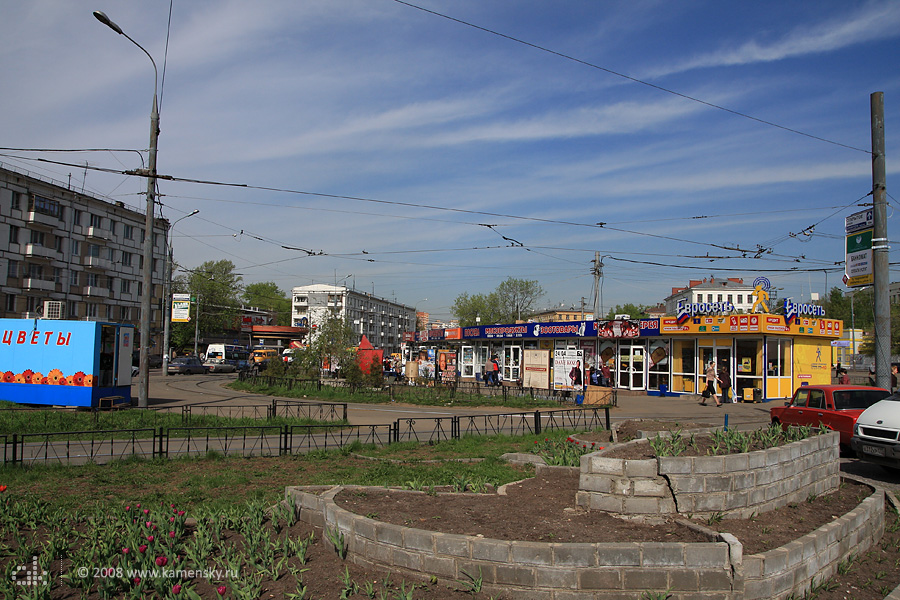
(147, 271)
(167, 300)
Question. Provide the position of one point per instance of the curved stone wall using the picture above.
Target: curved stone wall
(735, 485)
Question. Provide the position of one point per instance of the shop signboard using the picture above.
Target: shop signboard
(181, 308)
(568, 369)
(859, 268)
(752, 323)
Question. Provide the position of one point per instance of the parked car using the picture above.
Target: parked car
(154, 359)
(185, 365)
(288, 355)
(876, 435)
(833, 406)
(260, 354)
(219, 365)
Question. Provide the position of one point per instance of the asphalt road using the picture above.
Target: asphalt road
(172, 392)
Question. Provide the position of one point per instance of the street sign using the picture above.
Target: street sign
(864, 219)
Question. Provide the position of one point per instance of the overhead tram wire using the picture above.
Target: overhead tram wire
(632, 79)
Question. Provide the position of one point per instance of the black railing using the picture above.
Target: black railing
(79, 447)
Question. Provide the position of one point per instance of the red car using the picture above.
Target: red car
(833, 406)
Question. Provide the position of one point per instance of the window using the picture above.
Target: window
(740, 299)
(33, 303)
(125, 286)
(11, 298)
(111, 254)
(13, 234)
(16, 199)
(76, 216)
(90, 310)
(140, 291)
(93, 280)
(112, 226)
(93, 251)
(12, 269)
(126, 258)
(46, 206)
(128, 232)
(72, 309)
(125, 313)
(140, 261)
(142, 236)
(59, 244)
(57, 275)
(73, 278)
(729, 298)
(110, 283)
(709, 297)
(96, 221)
(35, 271)
(156, 239)
(36, 237)
(76, 248)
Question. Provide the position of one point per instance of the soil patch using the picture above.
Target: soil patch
(628, 430)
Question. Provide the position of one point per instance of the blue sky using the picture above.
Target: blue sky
(399, 135)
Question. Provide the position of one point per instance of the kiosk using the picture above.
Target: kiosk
(65, 363)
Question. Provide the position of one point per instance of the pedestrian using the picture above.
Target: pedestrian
(605, 375)
(488, 374)
(725, 384)
(843, 378)
(872, 376)
(710, 390)
(496, 364)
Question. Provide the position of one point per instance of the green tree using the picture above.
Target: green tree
(513, 299)
(331, 344)
(267, 296)
(637, 311)
(860, 310)
(215, 288)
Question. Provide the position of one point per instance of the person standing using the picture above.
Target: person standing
(496, 364)
(711, 383)
(605, 375)
(488, 371)
(725, 385)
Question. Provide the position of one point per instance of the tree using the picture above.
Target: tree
(267, 296)
(514, 299)
(214, 287)
(636, 311)
(859, 311)
(331, 345)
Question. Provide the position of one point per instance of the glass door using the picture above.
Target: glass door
(631, 365)
(512, 363)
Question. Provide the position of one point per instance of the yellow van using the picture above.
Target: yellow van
(261, 354)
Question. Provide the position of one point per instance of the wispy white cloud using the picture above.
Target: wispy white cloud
(874, 21)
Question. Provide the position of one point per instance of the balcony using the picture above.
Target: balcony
(38, 218)
(95, 262)
(38, 251)
(34, 283)
(95, 233)
(96, 292)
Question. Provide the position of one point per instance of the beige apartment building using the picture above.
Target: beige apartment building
(66, 254)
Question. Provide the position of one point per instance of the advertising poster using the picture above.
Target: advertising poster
(536, 371)
(568, 370)
(181, 308)
(447, 366)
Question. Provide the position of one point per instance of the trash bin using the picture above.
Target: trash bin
(757, 395)
(663, 389)
(579, 399)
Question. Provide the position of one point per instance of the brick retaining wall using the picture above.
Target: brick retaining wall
(735, 485)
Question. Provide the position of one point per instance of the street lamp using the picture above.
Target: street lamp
(147, 271)
(167, 300)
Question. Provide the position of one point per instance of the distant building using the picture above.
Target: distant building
(382, 321)
(553, 315)
(713, 290)
(65, 254)
(894, 293)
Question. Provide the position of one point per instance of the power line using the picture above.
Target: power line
(630, 78)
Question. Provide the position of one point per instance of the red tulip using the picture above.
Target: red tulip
(161, 561)
(142, 548)
(176, 589)
(221, 590)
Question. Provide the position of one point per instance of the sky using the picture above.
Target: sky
(423, 150)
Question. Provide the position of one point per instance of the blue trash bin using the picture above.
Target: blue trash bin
(663, 390)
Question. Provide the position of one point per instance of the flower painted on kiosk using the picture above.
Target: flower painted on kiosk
(56, 377)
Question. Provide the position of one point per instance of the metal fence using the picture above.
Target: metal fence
(80, 447)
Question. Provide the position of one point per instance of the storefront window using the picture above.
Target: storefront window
(468, 361)
(748, 368)
(683, 371)
(512, 363)
(658, 364)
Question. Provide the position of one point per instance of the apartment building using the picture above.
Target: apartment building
(713, 290)
(382, 321)
(66, 254)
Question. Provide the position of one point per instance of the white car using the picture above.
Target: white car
(876, 435)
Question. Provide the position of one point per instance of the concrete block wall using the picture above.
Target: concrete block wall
(814, 557)
(735, 485)
(533, 570)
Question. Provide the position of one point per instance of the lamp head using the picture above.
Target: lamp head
(101, 16)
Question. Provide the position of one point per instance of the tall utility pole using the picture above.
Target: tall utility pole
(880, 247)
(597, 270)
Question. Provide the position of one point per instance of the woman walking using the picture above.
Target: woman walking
(711, 377)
